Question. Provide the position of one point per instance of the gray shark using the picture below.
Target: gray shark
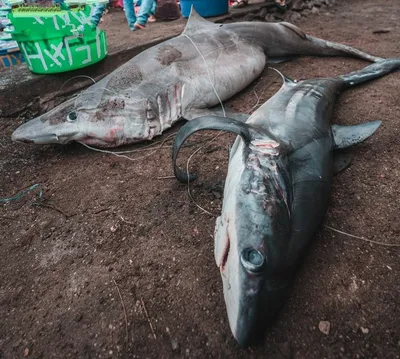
(183, 77)
(277, 190)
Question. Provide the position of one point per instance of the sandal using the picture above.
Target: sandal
(281, 4)
(240, 3)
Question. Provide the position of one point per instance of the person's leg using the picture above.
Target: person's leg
(130, 13)
(144, 13)
(152, 17)
(97, 13)
(153, 8)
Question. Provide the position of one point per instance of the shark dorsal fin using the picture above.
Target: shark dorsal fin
(294, 28)
(196, 23)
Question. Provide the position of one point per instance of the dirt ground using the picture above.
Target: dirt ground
(112, 260)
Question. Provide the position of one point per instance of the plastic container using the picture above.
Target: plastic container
(55, 40)
(205, 8)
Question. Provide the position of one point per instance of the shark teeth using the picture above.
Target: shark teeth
(267, 147)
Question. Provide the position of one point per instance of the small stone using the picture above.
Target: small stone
(279, 16)
(270, 18)
(364, 330)
(293, 17)
(314, 10)
(298, 5)
(248, 17)
(174, 344)
(263, 12)
(216, 194)
(324, 326)
(26, 352)
(285, 349)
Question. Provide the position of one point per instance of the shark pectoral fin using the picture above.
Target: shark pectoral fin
(247, 132)
(346, 136)
(341, 161)
(195, 113)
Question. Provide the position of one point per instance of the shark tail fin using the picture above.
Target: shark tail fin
(371, 72)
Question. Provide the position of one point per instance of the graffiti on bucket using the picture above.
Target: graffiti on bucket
(54, 56)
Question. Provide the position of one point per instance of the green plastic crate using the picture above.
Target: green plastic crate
(56, 39)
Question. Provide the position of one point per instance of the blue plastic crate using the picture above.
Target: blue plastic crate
(9, 54)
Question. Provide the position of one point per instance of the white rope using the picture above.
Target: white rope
(209, 75)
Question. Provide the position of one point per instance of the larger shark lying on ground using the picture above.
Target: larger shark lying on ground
(277, 190)
(179, 78)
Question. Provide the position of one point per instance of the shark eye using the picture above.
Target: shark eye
(72, 116)
(252, 260)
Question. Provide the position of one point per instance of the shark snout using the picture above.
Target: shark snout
(38, 132)
(242, 313)
(19, 136)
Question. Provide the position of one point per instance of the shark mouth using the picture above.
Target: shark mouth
(225, 255)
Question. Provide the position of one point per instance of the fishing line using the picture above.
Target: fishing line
(224, 114)
(144, 148)
(21, 194)
(85, 76)
(187, 171)
(362, 238)
(208, 73)
(117, 155)
(120, 153)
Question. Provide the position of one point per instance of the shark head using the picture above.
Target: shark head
(253, 231)
(250, 236)
(111, 122)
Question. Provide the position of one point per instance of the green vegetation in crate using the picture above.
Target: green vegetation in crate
(56, 39)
